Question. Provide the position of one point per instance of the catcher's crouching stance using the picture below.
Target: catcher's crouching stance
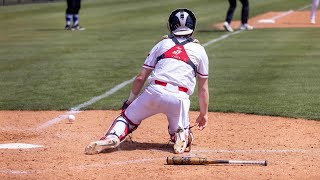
(172, 68)
(120, 128)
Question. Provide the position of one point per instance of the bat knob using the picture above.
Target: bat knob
(265, 163)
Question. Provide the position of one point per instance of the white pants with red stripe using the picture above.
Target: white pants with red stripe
(157, 99)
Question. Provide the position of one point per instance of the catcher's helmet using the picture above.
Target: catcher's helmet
(182, 22)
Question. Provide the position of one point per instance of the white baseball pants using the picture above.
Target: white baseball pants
(156, 99)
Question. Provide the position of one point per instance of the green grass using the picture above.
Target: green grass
(43, 67)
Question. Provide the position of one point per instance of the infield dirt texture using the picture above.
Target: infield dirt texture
(291, 146)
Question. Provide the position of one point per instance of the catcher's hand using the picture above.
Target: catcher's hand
(201, 122)
(125, 105)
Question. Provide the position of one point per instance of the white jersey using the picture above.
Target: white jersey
(174, 71)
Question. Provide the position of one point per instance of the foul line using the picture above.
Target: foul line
(282, 15)
(76, 110)
(272, 19)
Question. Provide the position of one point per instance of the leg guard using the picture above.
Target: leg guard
(120, 128)
(117, 133)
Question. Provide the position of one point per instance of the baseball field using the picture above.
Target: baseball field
(264, 91)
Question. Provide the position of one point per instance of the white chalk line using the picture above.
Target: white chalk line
(19, 146)
(304, 7)
(146, 160)
(282, 15)
(272, 19)
(76, 110)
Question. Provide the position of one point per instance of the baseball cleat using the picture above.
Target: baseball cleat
(180, 143)
(67, 27)
(190, 139)
(246, 27)
(312, 21)
(77, 27)
(227, 27)
(96, 147)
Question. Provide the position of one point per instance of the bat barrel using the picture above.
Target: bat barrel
(263, 163)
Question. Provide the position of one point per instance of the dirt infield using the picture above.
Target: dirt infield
(291, 146)
(287, 19)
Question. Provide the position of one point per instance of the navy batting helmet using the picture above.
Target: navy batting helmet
(182, 22)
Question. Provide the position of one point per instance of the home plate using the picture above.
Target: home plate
(266, 21)
(19, 146)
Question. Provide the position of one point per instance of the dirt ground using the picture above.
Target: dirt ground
(291, 146)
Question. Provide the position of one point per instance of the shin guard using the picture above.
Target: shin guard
(120, 128)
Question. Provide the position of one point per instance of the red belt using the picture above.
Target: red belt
(183, 89)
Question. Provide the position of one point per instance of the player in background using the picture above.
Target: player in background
(244, 15)
(314, 7)
(172, 68)
(72, 13)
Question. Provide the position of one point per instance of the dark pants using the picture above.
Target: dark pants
(244, 12)
(73, 6)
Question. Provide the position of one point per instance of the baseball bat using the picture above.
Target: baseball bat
(204, 161)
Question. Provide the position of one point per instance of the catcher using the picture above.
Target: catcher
(171, 68)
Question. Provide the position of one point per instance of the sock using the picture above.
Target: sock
(68, 19)
(75, 19)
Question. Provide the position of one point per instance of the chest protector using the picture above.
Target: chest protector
(178, 52)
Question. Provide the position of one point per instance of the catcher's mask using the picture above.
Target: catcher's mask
(182, 22)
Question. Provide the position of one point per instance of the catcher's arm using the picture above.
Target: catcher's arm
(203, 95)
(138, 83)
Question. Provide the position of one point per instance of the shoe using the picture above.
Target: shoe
(77, 27)
(67, 27)
(313, 21)
(96, 147)
(180, 142)
(190, 139)
(227, 27)
(246, 27)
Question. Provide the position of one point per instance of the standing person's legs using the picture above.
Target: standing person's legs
(68, 15)
(231, 9)
(229, 16)
(244, 11)
(315, 4)
(77, 6)
(76, 9)
(245, 15)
